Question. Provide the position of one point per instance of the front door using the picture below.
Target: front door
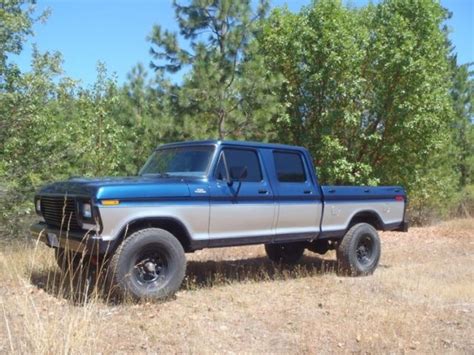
(242, 207)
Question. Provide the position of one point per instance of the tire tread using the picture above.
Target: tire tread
(117, 286)
(345, 250)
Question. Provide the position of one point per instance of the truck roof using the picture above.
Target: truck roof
(234, 143)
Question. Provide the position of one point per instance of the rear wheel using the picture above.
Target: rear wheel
(359, 251)
(285, 253)
(150, 264)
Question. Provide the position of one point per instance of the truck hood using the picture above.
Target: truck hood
(134, 187)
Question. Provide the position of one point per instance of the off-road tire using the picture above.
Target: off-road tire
(150, 264)
(358, 253)
(285, 253)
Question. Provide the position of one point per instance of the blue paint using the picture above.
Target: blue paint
(217, 190)
(180, 189)
(362, 193)
(148, 190)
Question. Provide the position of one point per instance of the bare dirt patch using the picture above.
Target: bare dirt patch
(420, 299)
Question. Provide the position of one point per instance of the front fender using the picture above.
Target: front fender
(194, 217)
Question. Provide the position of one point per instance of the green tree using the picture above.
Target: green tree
(322, 52)
(367, 90)
(98, 142)
(145, 111)
(54, 129)
(16, 20)
(462, 93)
(227, 92)
(30, 148)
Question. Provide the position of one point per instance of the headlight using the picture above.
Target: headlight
(38, 206)
(87, 210)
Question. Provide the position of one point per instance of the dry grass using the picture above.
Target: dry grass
(421, 299)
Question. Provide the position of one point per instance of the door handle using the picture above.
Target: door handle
(263, 191)
(307, 191)
(331, 190)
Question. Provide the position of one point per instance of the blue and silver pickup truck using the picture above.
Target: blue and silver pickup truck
(206, 194)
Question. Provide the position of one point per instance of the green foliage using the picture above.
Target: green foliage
(145, 111)
(321, 52)
(99, 141)
(16, 20)
(466, 203)
(54, 130)
(367, 91)
(228, 92)
(462, 93)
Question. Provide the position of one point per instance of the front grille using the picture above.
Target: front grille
(60, 212)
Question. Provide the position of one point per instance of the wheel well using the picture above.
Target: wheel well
(171, 225)
(368, 217)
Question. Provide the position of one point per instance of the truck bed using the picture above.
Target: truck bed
(343, 205)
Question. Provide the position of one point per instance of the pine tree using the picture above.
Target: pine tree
(227, 92)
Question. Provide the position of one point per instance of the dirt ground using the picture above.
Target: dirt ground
(419, 300)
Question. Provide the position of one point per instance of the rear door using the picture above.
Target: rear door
(299, 200)
(244, 209)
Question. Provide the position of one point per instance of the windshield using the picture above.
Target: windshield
(179, 161)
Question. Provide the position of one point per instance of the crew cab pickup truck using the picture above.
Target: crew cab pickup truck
(207, 194)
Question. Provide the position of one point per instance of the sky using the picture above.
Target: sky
(115, 32)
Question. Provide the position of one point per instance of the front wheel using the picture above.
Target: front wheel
(150, 264)
(359, 251)
(285, 253)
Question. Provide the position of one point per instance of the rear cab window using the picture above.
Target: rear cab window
(289, 167)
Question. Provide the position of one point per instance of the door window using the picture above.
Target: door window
(289, 167)
(236, 160)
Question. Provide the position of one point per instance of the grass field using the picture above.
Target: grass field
(420, 300)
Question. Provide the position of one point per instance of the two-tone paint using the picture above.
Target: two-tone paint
(211, 213)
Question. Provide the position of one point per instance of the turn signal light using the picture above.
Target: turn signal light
(399, 198)
(110, 202)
